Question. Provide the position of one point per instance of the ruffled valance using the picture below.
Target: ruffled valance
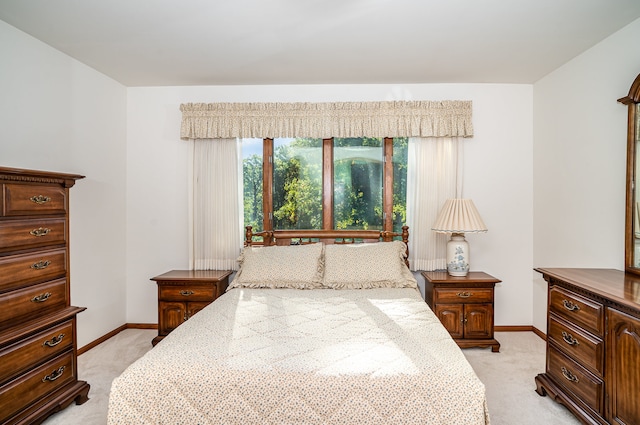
(322, 120)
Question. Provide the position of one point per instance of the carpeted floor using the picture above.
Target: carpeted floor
(508, 377)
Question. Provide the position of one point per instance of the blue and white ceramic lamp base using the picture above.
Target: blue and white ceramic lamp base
(458, 255)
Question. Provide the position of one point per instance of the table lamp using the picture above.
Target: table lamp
(458, 216)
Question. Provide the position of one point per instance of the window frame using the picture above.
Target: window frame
(327, 184)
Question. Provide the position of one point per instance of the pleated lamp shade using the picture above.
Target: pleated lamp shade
(458, 216)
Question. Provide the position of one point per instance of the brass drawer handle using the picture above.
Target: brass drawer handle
(41, 298)
(569, 376)
(186, 293)
(54, 375)
(569, 339)
(54, 341)
(40, 199)
(40, 265)
(40, 231)
(570, 306)
(464, 294)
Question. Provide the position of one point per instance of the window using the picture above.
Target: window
(339, 183)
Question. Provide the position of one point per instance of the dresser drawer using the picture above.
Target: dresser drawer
(21, 270)
(33, 199)
(462, 295)
(24, 234)
(31, 351)
(576, 309)
(36, 384)
(577, 344)
(576, 379)
(32, 301)
(187, 293)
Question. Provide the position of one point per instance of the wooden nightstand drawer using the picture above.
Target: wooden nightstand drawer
(463, 295)
(32, 199)
(577, 344)
(187, 293)
(584, 312)
(570, 375)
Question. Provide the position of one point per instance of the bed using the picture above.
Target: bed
(307, 333)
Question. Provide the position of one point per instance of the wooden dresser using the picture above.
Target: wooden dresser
(464, 305)
(38, 368)
(593, 344)
(183, 293)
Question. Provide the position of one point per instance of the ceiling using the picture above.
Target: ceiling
(216, 42)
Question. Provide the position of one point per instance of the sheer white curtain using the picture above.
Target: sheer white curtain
(216, 215)
(432, 178)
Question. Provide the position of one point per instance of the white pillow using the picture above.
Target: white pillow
(292, 266)
(367, 265)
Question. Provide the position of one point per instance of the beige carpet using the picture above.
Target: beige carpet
(508, 377)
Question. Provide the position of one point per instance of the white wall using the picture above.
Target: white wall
(579, 160)
(129, 216)
(57, 114)
(498, 177)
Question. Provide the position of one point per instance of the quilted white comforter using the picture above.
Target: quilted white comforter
(289, 356)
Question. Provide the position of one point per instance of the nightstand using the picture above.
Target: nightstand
(464, 305)
(182, 293)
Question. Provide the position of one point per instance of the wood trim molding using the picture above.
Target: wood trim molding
(115, 332)
(533, 329)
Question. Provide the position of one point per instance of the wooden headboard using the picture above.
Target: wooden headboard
(299, 237)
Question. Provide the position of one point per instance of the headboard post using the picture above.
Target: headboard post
(405, 234)
(248, 238)
(267, 236)
(405, 239)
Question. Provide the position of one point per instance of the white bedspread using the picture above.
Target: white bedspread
(288, 356)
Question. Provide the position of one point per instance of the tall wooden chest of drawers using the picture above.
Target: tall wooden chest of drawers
(38, 368)
(593, 344)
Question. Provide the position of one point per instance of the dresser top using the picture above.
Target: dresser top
(609, 283)
(38, 176)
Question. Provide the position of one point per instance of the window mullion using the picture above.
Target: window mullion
(387, 189)
(327, 184)
(267, 185)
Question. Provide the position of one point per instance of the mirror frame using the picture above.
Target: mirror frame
(631, 100)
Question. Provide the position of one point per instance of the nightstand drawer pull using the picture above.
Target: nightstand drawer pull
(569, 339)
(464, 294)
(186, 293)
(54, 341)
(569, 376)
(41, 298)
(570, 306)
(42, 264)
(40, 199)
(54, 375)
(40, 231)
